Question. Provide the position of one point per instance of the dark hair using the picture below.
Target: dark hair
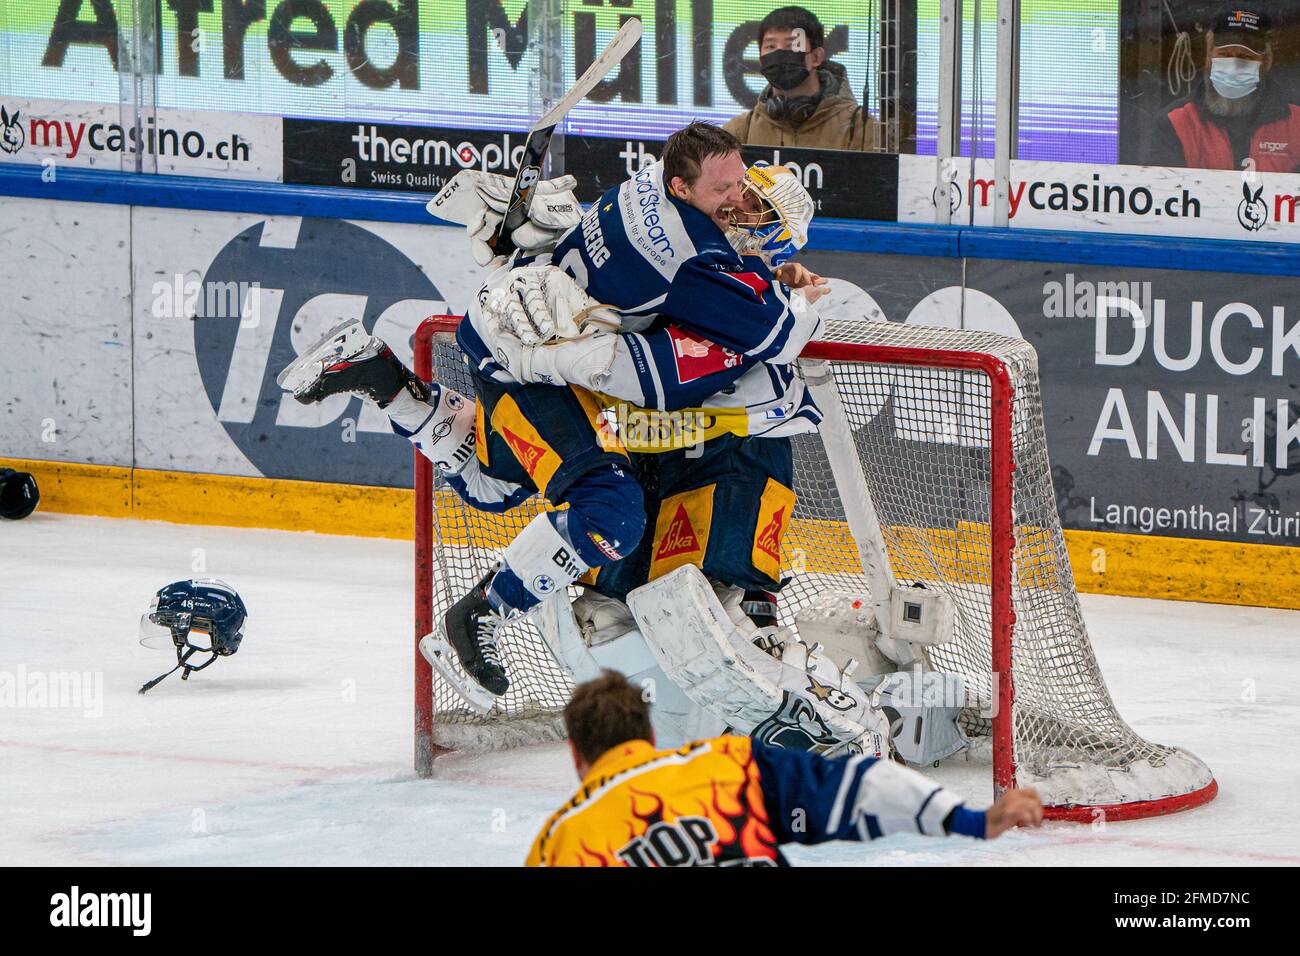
(688, 148)
(605, 712)
(794, 18)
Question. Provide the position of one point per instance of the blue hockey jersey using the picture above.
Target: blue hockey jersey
(713, 321)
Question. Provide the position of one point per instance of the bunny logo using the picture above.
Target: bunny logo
(11, 132)
(954, 196)
(1252, 211)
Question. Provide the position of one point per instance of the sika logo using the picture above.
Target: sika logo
(680, 538)
(528, 454)
(1252, 211)
(769, 540)
(12, 137)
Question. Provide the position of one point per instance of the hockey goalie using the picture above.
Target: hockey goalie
(634, 366)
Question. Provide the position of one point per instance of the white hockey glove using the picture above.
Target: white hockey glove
(544, 328)
(478, 201)
(540, 304)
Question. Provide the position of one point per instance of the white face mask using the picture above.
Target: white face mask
(1233, 77)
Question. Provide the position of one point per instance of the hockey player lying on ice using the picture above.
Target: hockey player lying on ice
(687, 316)
(731, 801)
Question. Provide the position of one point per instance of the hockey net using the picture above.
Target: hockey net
(930, 470)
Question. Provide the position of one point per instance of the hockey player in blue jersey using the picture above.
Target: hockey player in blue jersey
(696, 317)
(658, 250)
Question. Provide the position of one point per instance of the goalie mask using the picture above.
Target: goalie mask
(773, 221)
(200, 619)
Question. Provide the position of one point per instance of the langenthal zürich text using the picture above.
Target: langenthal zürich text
(1249, 519)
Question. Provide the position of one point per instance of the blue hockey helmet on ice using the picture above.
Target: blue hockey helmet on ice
(201, 619)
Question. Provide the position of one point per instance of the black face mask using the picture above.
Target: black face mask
(784, 69)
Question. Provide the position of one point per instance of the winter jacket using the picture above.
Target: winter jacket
(1189, 135)
(837, 123)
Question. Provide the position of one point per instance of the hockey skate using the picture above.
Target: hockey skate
(468, 630)
(349, 359)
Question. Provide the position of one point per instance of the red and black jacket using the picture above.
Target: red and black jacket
(1189, 135)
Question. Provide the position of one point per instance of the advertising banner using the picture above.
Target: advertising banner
(102, 136)
(65, 369)
(386, 156)
(223, 302)
(421, 159)
(489, 64)
(844, 185)
(1170, 397)
(1141, 200)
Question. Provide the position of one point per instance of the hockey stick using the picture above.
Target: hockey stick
(539, 137)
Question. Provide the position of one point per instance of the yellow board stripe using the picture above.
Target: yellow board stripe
(1184, 569)
(186, 498)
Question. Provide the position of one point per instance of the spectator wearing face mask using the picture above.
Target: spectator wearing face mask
(807, 102)
(1240, 114)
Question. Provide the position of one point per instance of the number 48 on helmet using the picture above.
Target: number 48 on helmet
(201, 620)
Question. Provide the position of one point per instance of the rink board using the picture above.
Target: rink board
(1219, 572)
(143, 346)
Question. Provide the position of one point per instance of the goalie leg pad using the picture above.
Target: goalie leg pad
(924, 732)
(704, 651)
(675, 717)
(559, 629)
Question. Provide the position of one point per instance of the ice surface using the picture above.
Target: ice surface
(298, 749)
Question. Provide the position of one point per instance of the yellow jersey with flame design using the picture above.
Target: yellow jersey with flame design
(700, 805)
(732, 801)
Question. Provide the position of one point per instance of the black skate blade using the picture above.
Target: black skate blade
(437, 650)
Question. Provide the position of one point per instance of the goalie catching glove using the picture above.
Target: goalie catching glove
(530, 310)
(478, 201)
